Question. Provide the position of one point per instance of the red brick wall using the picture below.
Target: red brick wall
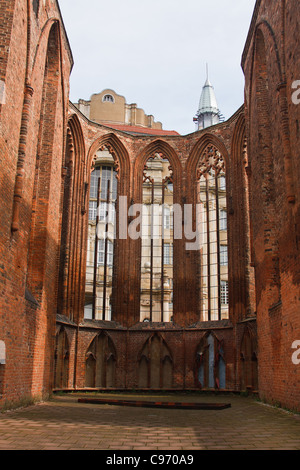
(28, 326)
(270, 67)
(127, 334)
(44, 204)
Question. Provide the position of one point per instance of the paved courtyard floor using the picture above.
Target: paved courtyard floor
(64, 424)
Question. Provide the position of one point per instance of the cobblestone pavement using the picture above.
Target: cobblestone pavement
(64, 424)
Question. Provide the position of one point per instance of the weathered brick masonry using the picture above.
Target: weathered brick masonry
(47, 149)
(126, 333)
(35, 69)
(271, 65)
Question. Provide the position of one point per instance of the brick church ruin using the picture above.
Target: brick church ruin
(137, 258)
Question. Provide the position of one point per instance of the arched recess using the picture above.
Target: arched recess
(61, 359)
(276, 78)
(121, 156)
(208, 190)
(210, 363)
(32, 84)
(195, 155)
(106, 282)
(290, 117)
(72, 222)
(6, 17)
(262, 164)
(157, 184)
(158, 146)
(39, 239)
(100, 362)
(241, 272)
(155, 364)
(248, 361)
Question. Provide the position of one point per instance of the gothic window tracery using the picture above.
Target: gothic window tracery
(157, 241)
(211, 197)
(101, 235)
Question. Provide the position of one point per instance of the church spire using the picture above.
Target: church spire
(208, 113)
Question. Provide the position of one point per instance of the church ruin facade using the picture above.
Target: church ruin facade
(134, 257)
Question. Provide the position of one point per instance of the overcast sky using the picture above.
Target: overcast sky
(154, 53)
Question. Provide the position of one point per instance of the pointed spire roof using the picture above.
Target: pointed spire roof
(208, 113)
(208, 102)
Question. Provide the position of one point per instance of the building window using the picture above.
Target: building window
(101, 252)
(213, 257)
(223, 220)
(224, 292)
(168, 217)
(108, 98)
(101, 235)
(168, 254)
(156, 301)
(223, 255)
(92, 210)
(222, 183)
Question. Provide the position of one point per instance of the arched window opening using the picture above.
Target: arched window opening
(157, 241)
(101, 236)
(108, 98)
(211, 198)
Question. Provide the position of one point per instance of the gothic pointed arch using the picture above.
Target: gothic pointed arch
(100, 362)
(264, 29)
(155, 364)
(266, 50)
(157, 183)
(107, 183)
(207, 173)
(72, 270)
(248, 360)
(157, 147)
(39, 236)
(241, 271)
(262, 160)
(210, 362)
(119, 153)
(61, 359)
(195, 155)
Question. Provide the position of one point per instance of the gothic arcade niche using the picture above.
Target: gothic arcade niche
(101, 236)
(61, 360)
(155, 364)
(100, 363)
(210, 363)
(157, 241)
(248, 357)
(43, 168)
(212, 226)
